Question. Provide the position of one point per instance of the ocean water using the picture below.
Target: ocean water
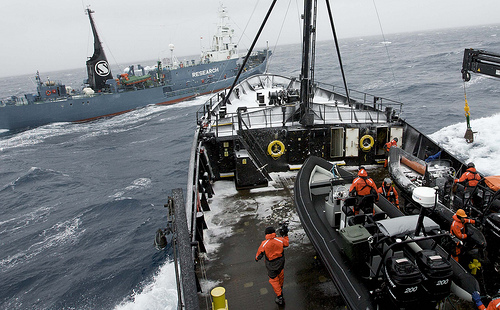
(81, 202)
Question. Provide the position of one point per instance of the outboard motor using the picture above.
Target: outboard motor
(403, 280)
(436, 272)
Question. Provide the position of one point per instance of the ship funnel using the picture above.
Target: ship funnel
(98, 69)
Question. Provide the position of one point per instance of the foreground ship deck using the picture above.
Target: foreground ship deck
(249, 148)
(241, 217)
(237, 220)
(269, 125)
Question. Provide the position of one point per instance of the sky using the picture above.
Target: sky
(54, 35)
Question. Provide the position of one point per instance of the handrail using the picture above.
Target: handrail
(192, 182)
(359, 97)
(359, 101)
(251, 145)
(187, 293)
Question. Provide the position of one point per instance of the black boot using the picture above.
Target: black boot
(279, 300)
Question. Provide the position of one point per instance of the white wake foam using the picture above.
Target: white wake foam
(484, 151)
(161, 293)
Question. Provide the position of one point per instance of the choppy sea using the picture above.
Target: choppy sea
(80, 203)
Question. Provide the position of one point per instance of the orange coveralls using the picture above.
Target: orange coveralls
(362, 187)
(493, 305)
(391, 194)
(457, 229)
(273, 249)
(388, 146)
(470, 177)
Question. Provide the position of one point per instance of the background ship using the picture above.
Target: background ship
(166, 83)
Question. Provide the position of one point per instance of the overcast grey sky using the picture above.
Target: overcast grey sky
(54, 35)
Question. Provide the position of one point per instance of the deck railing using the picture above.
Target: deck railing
(363, 107)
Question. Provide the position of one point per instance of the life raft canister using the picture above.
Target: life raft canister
(366, 143)
(276, 148)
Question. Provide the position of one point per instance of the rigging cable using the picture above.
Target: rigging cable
(279, 33)
(466, 108)
(238, 43)
(298, 19)
(246, 26)
(225, 67)
(387, 50)
(249, 51)
(469, 134)
(338, 49)
(281, 29)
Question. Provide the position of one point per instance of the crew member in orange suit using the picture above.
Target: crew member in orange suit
(273, 250)
(388, 191)
(363, 186)
(493, 305)
(458, 230)
(470, 177)
(388, 145)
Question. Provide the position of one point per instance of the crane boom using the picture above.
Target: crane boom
(480, 61)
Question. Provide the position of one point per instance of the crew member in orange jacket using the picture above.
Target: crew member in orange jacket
(493, 305)
(388, 191)
(458, 230)
(361, 187)
(470, 177)
(272, 249)
(388, 145)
